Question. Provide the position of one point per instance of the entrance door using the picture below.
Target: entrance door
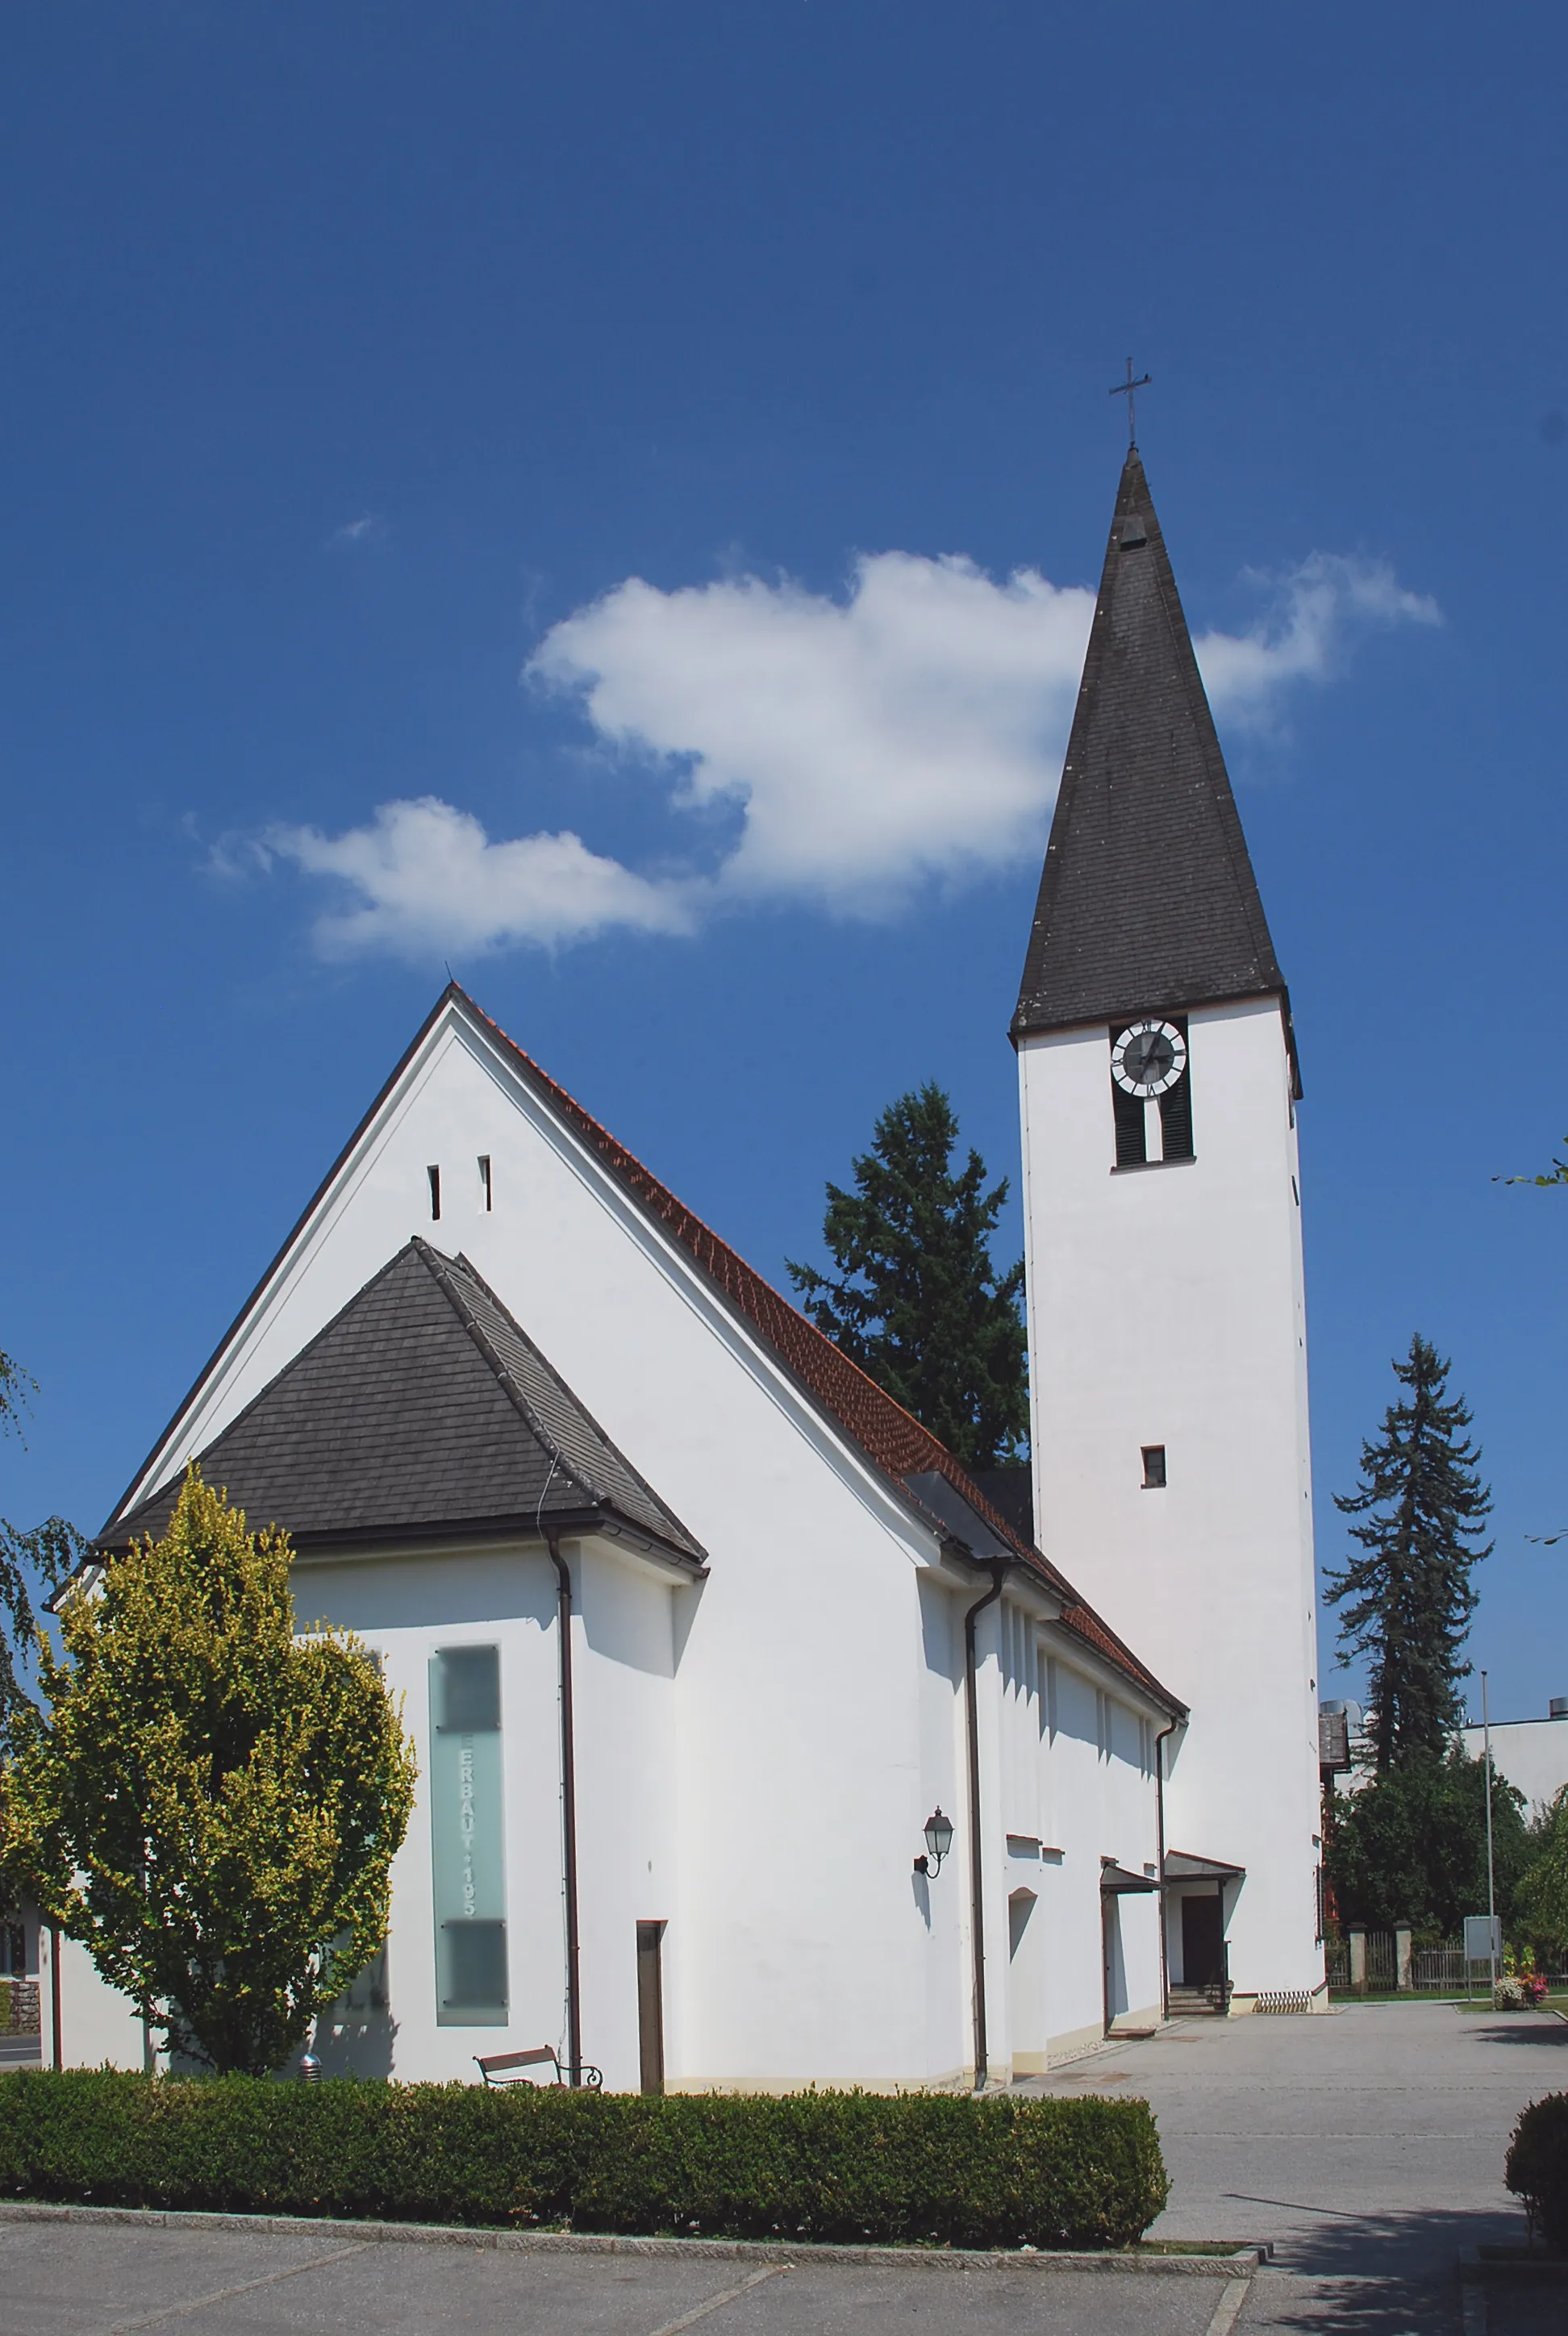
(1112, 1962)
(651, 2004)
(1202, 1943)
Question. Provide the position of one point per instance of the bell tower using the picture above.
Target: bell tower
(1167, 1328)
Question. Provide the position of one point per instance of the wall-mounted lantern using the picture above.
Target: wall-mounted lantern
(938, 1840)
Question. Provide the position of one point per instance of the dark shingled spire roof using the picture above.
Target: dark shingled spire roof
(421, 1409)
(1148, 902)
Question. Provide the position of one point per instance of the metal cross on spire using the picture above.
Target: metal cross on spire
(1128, 389)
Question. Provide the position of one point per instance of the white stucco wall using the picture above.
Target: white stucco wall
(1531, 1753)
(756, 1755)
(1167, 1306)
(98, 2029)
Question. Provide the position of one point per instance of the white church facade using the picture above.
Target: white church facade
(696, 1629)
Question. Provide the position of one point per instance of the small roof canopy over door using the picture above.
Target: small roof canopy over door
(1181, 1867)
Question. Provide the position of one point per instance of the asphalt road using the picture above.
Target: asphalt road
(1366, 2146)
(74, 2280)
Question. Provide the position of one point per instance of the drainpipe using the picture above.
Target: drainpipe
(976, 1859)
(568, 1813)
(57, 2025)
(1160, 1853)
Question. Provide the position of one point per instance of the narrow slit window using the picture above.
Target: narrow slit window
(1154, 1467)
(434, 1176)
(484, 1184)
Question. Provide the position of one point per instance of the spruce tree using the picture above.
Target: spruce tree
(917, 1302)
(1407, 1599)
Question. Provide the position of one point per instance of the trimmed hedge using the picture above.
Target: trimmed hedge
(1536, 2168)
(923, 2169)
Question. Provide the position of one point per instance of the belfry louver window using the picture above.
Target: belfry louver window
(1151, 1090)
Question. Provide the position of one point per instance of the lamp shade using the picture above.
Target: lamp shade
(938, 1834)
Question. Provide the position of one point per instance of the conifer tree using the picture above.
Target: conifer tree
(917, 1302)
(1407, 1599)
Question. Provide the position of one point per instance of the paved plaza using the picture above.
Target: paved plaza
(1367, 2147)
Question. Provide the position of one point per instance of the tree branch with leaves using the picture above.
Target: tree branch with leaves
(212, 1803)
(34, 1563)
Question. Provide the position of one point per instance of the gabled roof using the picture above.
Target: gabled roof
(1147, 901)
(895, 1443)
(890, 1437)
(421, 1409)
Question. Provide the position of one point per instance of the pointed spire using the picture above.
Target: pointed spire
(1148, 902)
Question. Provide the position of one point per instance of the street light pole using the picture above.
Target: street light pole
(1491, 1883)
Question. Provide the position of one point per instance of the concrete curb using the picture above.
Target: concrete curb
(1239, 2262)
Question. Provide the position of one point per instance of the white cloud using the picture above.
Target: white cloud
(1317, 611)
(911, 731)
(368, 528)
(421, 877)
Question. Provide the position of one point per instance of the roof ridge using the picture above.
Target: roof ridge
(439, 1266)
(726, 1267)
(673, 1211)
(122, 1507)
(464, 1264)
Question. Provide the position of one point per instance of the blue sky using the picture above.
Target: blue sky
(685, 431)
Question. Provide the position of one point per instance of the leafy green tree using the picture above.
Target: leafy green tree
(1559, 1176)
(1407, 1599)
(33, 1563)
(917, 1302)
(213, 1805)
(1542, 1896)
(1411, 1846)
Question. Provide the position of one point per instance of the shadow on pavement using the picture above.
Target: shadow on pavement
(1390, 2274)
(1508, 2032)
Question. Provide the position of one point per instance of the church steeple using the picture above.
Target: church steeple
(1148, 902)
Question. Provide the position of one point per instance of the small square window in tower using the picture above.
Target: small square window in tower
(1151, 1090)
(1154, 1467)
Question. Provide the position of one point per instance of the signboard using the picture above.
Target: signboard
(467, 1836)
(1483, 1938)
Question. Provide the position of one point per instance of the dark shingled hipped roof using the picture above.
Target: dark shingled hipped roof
(421, 1409)
(1148, 902)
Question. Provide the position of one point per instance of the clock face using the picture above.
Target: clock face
(1148, 1059)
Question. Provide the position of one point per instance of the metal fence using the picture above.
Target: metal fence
(1440, 1970)
(1443, 1968)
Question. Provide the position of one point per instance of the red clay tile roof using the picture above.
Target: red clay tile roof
(885, 1432)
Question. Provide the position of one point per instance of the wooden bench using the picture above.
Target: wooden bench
(510, 2068)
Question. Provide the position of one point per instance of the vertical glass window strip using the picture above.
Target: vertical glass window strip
(485, 1190)
(434, 1176)
(467, 1834)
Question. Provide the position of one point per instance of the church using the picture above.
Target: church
(759, 1745)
